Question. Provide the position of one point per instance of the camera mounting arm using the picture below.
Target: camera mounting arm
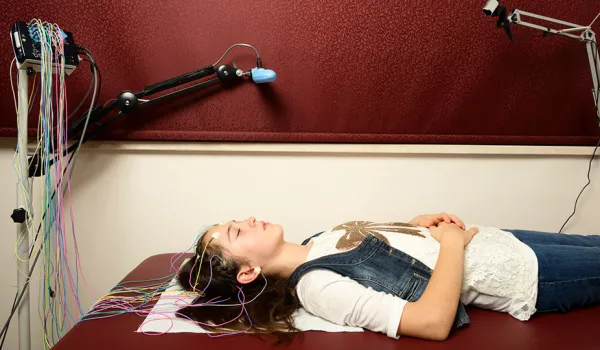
(571, 30)
(128, 101)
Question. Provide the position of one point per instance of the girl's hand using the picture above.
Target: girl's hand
(451, 229)
(428, 220)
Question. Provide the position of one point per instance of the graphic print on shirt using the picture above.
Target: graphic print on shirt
(357, 231)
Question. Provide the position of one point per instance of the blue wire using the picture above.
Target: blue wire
(154, 292)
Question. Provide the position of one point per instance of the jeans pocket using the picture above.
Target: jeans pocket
(414, 287)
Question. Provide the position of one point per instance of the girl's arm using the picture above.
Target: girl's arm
(432, 316)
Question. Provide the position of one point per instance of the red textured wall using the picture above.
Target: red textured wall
(348, 71)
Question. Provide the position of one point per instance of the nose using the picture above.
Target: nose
(251, 221)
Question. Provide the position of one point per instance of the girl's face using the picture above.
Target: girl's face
(250, 242)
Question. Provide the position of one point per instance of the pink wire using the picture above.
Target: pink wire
(127, 303)
(154, 333)
(164, 314)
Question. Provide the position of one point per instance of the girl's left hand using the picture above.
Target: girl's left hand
(428, 220)
(443, 229)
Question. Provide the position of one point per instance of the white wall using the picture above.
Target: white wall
(130, 204)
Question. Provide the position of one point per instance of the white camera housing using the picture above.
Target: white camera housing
(490, 7)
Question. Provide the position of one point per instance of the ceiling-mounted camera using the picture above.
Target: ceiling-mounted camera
(490, 7)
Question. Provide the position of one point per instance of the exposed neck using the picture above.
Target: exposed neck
(287, 259)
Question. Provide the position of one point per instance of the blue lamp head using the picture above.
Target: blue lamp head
(261, 75)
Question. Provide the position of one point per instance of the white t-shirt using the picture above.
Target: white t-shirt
(500, 273)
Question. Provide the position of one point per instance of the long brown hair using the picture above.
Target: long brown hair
(215, 277)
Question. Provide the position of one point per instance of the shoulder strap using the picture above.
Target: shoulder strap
(311, 237)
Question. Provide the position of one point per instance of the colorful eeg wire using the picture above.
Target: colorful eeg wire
(141, 299)
(60, 287)
(59, 281)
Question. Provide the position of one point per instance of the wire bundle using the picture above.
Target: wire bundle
(131, 297)
(61, 268)
(59, 280)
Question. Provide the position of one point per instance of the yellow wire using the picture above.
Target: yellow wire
(200, 265)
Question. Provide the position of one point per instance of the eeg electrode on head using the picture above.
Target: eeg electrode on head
(200, 257)
(215, 235)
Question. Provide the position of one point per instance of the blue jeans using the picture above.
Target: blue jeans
(569, 269)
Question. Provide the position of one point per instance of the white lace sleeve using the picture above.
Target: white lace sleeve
(344, 301)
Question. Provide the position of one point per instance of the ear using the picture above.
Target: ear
(248, 274)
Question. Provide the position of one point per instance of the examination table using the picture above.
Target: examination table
(488, 330)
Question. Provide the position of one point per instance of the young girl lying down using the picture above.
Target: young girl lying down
(411, 279)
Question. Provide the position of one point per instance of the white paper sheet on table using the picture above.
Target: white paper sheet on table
(162, 319)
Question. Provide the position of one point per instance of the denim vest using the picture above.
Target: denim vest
(377, 265)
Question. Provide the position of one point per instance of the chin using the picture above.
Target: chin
(277, 230)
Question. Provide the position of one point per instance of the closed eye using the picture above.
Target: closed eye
(238, 234)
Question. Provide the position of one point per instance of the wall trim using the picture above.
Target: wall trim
(324, 148)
